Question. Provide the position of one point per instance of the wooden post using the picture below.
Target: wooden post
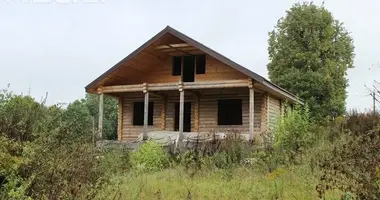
(196, 114)
(100, 123)
(163, 112)
(251, 113)
(120, 119)
(146, 112)
(181, 112)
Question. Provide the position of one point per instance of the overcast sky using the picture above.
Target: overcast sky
(60, 46)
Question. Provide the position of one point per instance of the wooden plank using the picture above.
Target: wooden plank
(251, 112)
(146, 112)
(120, 119)
(100, 122)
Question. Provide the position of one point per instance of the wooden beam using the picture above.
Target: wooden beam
(146, 112)
(218, 84)
(177, 49)
(100, 122)
(120, 119)
(181, 113)
(251, 113)
(165, 46)
(174, 86)
(196, 114)
(163, 113)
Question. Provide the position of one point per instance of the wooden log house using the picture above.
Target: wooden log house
(175, 83)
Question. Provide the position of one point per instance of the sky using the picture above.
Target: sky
(59, 46)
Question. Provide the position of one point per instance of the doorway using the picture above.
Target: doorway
(186, 117)
(188, 69)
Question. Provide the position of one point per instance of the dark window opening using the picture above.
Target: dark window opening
(188, 66)
(200, 64)
(188, 69)
(230, 112)
(176, 65)
(138, 113)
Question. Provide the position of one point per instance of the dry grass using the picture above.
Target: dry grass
(234, 183)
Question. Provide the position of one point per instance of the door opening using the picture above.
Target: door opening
(188, 69)
(186, 117)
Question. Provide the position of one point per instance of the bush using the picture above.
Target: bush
(150, 157)
(48, 151)
(353, 164)
(293, 132)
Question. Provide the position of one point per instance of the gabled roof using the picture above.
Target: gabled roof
(256, 77)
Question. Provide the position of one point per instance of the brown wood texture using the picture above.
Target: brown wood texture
(151, 71)
(274, 111)
(120, 119)
(207, 108)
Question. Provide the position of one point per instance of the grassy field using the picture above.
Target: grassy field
(234, 183)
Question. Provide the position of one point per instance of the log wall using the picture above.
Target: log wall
(208, 108)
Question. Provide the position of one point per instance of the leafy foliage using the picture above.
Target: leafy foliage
(293, 132)
(150, 157)
(109, 116)
(48, 150)
(309, 54)
(353, 165)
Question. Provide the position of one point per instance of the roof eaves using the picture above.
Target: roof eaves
(134, 53)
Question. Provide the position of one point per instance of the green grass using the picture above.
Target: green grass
(235, 183)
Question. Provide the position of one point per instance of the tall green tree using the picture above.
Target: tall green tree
(109, 115)
(309, 53)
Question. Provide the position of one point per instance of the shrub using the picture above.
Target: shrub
(150, 157)
(353, 164)
(293, 132)
(46, 156)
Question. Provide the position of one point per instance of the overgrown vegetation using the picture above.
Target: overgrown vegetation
(49, 154)
(315, 151)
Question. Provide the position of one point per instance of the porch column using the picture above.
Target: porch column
(100, 122)
(251, 113)
(146, 112)
(181, 112)
(120, 119)
(251, 109)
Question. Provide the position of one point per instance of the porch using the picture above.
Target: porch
(194, 107)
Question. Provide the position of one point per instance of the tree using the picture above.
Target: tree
(309, 53)
(109, 116)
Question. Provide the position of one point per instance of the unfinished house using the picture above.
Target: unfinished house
(173, 83)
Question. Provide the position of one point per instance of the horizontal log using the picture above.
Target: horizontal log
(174, 86)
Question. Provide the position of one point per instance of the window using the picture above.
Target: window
(230, 112)
(176, 65)
(196, 63)
(200, 64)
(138, 113)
